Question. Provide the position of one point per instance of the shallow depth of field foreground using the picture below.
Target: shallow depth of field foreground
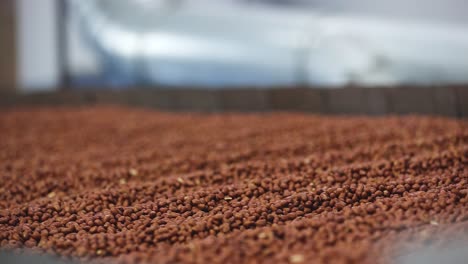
(124, 185)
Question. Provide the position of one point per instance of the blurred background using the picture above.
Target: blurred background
(73, 45)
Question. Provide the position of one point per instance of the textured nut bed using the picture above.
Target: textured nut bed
(116, 184)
